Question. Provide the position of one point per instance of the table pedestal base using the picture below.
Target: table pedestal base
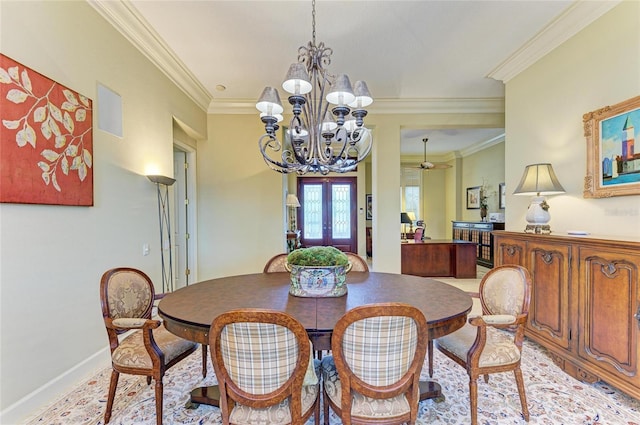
(211, 395)
(431, 390)
(204, 395)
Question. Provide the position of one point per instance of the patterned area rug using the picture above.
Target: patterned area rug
(553, 397)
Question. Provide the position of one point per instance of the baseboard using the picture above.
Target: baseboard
(35, 402)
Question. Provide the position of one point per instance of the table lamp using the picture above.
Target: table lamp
(292, 203)
(538, 180)
(404, 219)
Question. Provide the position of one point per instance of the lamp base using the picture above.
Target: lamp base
(541, 229)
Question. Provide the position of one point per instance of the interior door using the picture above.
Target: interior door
(328, 212)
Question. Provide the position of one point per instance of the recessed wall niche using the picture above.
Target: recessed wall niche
(109, 111)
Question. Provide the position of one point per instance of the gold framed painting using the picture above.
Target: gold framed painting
(613, 163)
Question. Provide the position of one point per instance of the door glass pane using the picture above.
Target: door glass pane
(341, 211)
(312, 196)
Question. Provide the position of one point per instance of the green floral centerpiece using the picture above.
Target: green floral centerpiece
(319, 271)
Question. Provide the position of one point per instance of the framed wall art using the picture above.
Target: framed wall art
(369, 207)
(502, 196)
(613, 163)
(47, 139)
(473, 198)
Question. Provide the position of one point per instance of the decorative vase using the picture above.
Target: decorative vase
(483, 213)
(318, 281)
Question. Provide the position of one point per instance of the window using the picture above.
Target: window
(411, 191)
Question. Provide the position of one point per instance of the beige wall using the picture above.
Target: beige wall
(240, 200)
(52, 257)
(597, 67)
(485, 167)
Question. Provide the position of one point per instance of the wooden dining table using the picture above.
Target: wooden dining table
(189, 311)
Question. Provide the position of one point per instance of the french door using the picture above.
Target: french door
(328, 212)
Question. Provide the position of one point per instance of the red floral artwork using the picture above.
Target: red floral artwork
(46, 139)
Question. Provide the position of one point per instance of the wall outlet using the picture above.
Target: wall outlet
(145, 249)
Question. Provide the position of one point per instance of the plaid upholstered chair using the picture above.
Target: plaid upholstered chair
(358, 264)
(265, 372)
(372, 376)
(127, 297)
(492, 342)
(276, 264)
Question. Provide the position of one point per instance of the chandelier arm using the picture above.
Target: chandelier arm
(282, 167)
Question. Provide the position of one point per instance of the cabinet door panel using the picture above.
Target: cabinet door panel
(609, 298)
(550, 303)
(509, 251)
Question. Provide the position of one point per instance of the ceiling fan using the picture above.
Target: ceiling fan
(426, 165)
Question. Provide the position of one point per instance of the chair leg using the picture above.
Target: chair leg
(523, 396)
(204, 361)
(473, 399)
(325, 403)
(112, 394)
(159, 401)
(430, 358)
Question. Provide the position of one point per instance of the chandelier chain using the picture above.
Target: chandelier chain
(313, 21)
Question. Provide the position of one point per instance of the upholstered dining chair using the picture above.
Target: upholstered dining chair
(372, 376)
(419, 233)
(358, 264)
(492, 342)
(127, 297)
(265, 372)
(276, 264)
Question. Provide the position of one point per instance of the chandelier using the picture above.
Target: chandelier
(326, 133)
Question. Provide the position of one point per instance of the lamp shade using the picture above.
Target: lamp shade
(269, 102)
(363, 97)
(404, 218)
(292, 200)
(341, 91)
(297, 80)
(539, 179)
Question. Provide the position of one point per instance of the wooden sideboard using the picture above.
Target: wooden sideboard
(480, 233)
(585, 303)
(432, 258)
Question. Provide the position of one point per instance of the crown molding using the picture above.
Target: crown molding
(125, 18)
(481, 146)
(384, 106)
(576, 17)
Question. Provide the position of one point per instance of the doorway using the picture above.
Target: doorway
(184, 211)
(328, 213)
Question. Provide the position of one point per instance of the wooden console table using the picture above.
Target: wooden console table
(439, 258)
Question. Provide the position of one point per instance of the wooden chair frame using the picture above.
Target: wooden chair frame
(146, 327)
(230, 393)
(276, 264)
(471, 363)
(408, 384)
(358, 264)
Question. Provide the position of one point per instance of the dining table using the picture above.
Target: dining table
(189, 311)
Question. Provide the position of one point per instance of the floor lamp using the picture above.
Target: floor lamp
(162, 185)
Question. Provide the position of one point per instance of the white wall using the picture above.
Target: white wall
(599, 66)
(52, 257)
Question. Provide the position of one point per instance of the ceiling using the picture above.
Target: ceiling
(416, 56)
